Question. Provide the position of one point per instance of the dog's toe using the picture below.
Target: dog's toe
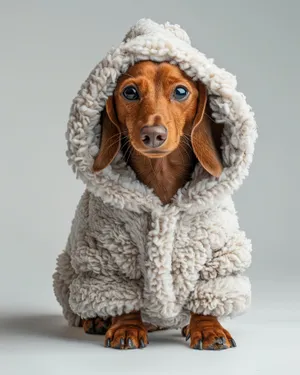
(130, 344)
(126, 338)
(199, 345)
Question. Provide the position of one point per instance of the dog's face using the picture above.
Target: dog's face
(154, 105)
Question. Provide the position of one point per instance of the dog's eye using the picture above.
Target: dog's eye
(130, 93)
(180, 93)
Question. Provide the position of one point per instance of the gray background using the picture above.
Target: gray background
(47, 49)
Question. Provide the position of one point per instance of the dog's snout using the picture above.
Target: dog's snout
(154, 136)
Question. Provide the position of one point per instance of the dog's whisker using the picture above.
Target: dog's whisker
(112, 144)
(126, 145)
(110, 139)
(129, 150)
(186, 140)
(207, 115)
(183, 148)
(130, 154)
(109, 146)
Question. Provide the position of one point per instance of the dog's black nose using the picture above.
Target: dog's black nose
(154, 136)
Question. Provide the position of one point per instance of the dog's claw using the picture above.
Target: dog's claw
(130, 344)
(233, 343)
(188, 337)
(108, 343)
(142, 343)
(199, 345)
(122, 342)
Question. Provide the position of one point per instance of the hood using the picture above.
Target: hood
(117, 183)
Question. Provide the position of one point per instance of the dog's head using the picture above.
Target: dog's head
(156, 106)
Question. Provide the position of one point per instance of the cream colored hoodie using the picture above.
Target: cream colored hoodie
(126, 250)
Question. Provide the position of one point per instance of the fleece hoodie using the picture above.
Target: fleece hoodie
(126, 249)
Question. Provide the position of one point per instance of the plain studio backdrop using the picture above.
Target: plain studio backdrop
(47, 50)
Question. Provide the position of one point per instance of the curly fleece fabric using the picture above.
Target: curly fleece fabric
(126, 250)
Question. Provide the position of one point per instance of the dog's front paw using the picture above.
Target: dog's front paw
(127, 332)
(206, 333)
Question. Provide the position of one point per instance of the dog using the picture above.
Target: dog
(161, 138)
(159, 117)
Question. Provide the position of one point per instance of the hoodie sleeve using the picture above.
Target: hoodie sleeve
(222, 290)
(65, 273)
(62, 278)
(87, 282)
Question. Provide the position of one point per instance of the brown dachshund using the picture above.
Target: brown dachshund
(160, 119)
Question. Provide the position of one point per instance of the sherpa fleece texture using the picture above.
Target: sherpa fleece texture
(126, 250)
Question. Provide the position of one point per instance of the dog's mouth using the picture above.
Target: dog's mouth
(150, 153)
(154, 153)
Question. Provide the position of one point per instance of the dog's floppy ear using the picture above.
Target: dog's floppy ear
(110, 137)
(205, 136)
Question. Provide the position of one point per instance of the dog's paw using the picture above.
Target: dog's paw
(126, 337)
(96, 326)
(206, 333)
(126, 334)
